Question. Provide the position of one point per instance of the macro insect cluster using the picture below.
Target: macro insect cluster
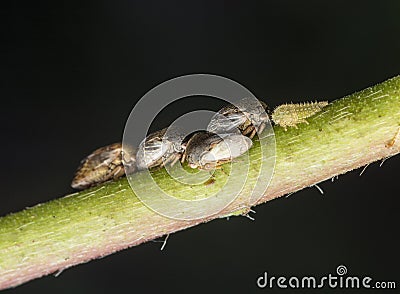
(228, 136)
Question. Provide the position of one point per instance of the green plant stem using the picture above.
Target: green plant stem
(349, 133)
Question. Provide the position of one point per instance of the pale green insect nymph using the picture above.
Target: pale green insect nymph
(290, 115)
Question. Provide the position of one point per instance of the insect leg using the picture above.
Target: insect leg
(175, 159)
(303, 120)
(183, 157)
(248, 130)
(118, 172)
(261, 128)
(253, 133)
(169, 160)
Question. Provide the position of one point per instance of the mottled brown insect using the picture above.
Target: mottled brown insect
(203, 150)
(289, 115)
(247, 116)
(160, 148)
(206, 150)
(103, 164)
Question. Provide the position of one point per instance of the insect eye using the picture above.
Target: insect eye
(179, 148)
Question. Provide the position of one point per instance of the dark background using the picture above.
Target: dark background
(71, 73)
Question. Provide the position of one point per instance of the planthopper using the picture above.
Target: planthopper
(103, 164)
(160, 148)
(248, 116)
(206, 150)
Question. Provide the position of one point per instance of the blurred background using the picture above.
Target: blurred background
(71, 73)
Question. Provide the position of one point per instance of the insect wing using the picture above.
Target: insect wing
(150, 152)
(230, 147)
(104, 156)
(228, 123)
(101, 165)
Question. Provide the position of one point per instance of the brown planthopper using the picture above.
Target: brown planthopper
(206, 150)
(249, 116)
(103, 164)
(160, 148)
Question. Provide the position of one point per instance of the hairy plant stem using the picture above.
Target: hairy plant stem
(349, 133)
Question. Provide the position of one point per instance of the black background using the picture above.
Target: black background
(71, 73)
